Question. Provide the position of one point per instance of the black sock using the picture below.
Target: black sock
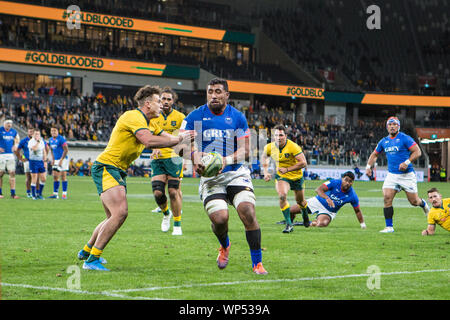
(388, 215)
(254, 239)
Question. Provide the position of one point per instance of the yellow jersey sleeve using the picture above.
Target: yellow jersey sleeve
(133, 122)
(431, 216)
(155, 128)
(296, 149)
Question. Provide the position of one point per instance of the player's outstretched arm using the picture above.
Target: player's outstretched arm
(151, 141)
(360, 217)
(430, 230)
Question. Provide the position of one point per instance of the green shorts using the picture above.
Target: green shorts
(294, 184)
(171, 166)
(106, 176)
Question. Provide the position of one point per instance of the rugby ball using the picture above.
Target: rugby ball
(212, 162)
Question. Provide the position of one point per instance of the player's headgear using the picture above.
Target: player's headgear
(393, 120)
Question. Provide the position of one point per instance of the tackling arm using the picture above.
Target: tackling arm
(152, 141)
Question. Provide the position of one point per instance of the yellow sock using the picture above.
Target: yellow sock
(285, 207)
(177, 221)
(87, 248)
(166, 209)
(96, 252)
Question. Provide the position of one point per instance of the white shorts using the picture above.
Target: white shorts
(26, 167)
(399, 182)
(63, 167)
(317, 208)
(216, 187)
(7, 162)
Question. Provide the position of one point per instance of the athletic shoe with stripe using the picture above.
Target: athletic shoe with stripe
(259, 269)
(165, 224)
(222, 258)
(83, 255)
(387, 230)
(94, 265)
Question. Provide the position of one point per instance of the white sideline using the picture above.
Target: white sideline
(114, 293)
(102, 293)
(276, 280)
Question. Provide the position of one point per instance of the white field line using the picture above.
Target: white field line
(276, 280)
(82, 292)
(115, 293)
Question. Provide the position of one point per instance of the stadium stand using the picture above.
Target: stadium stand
(329, 34)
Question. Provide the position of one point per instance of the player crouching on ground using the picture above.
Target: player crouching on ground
(439, 213)
(331, 196)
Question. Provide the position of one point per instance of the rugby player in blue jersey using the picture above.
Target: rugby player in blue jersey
(223, 129)
(401, 150)
(332, 196)
(9, 139)
(60, 163)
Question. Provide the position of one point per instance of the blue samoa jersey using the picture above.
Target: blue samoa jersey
(218, 132)
(7, 139)
(397, 151)
(57, 146)
(24, 146)
(338, 196)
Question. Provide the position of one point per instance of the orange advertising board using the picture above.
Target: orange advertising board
(104, 20)
(406, 100)
(276, 89)
(80, 62)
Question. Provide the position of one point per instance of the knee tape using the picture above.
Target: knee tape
(244, 196)
(173, 184)
(159, 186)
(215, 205)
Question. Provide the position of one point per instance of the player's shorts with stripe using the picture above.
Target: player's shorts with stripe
(37, 166)
(294, 184)
(225, 185)
(64, 166)
(171, 166)
(26, 167)
(399, 182)
(7, 162)
(317, 208)
(106, 176)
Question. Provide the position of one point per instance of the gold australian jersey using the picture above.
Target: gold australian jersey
(123, 147)
(441, 216)
(170, 123)
(285, 157)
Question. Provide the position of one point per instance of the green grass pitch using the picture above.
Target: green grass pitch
(39, 241)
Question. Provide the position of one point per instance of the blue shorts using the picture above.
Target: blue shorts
(37, 166)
